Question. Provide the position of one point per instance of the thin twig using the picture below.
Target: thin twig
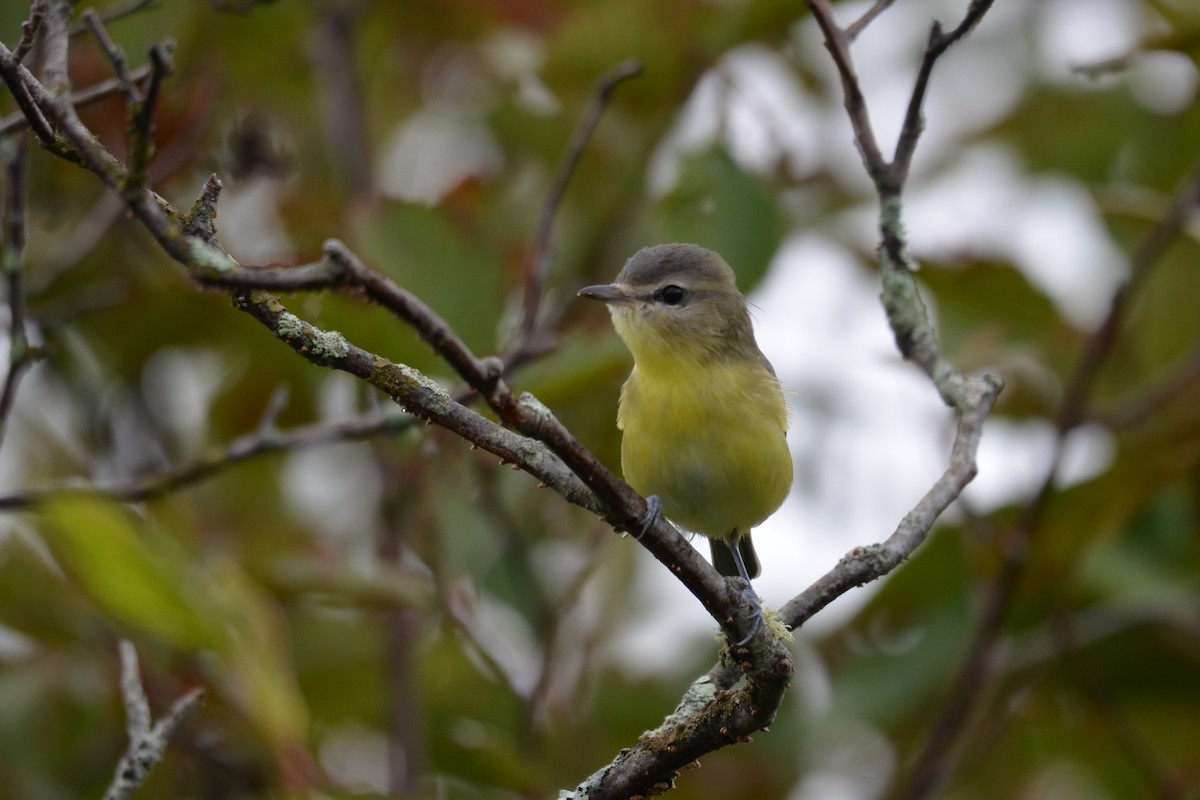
(43, 107)
(859, 25)
(263, 441)
(116, 11)
(838, 45)
(29, 29)
(115, 55)
(538, 265)
(141, 134)
(81, 98)
(865, 564)
(971, 398)
(889, 176)
(21, 355)
(910, 132)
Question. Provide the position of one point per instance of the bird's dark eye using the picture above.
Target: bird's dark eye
(671, 295)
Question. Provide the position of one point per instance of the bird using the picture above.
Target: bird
(702, 414)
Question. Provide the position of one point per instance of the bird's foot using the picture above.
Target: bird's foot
(759, 621)
(653, 512)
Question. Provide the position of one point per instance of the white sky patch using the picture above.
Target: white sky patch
(355, 757)
(180, 385)
(1014, 457)
(850, 760)
(515, 57)
(753, 103)
(337, 490)
(1049, 227)
(1088, 451)
(437, 149)
(1062, 246)
(448, 141)
(1072, 33)
(1164, 83)
(44, 426)
(251, 228)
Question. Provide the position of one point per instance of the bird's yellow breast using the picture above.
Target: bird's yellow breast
(709, 440)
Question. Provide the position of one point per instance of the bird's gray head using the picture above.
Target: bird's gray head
(675, 301)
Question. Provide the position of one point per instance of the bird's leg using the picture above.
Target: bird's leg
(653, 512)
(759, 619)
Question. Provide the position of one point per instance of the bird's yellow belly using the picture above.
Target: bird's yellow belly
(715, 455)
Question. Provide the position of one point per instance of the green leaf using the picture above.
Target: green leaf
(141, 581)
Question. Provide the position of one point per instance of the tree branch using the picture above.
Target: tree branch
(14, 74)
(710, 716)
(838, 45)
(147, 742)
(55, 42)
(971, 397)
(115, 55)
(29, 29)
(914, 122)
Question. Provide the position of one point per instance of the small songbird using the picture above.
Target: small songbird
(703, 415)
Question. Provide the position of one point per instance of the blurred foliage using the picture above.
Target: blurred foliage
(297, 587)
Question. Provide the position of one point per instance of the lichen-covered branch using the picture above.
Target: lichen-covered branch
(971, 397)
(147, 742)
(737, 698)
(865, 564)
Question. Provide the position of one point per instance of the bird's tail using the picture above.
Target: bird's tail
(722, 557)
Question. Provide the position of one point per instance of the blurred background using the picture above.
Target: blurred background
(385, 612)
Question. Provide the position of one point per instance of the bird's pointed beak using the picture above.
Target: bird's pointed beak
(608, 292)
